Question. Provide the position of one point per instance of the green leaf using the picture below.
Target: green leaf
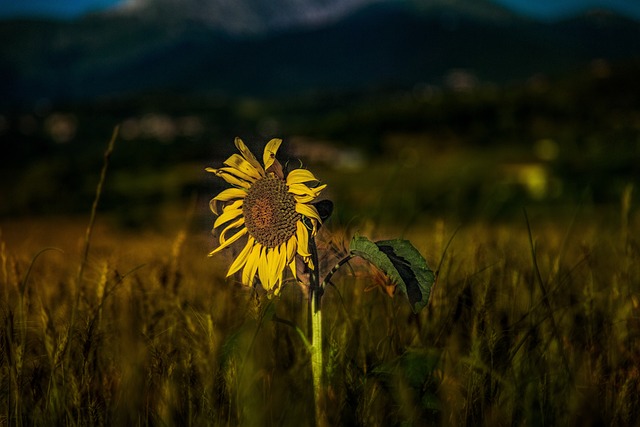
(402, 262)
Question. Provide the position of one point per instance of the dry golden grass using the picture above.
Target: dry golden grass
(161, 338)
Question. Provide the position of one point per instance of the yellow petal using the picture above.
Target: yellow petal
(237, 223)
(237, 173)
(271, 261)
(272, 265)
(292, 244)
(238, 162)
(236, 204)
(283, 256)
(241, 259)
(225, 196)
(304, 190)
(292, 266)
(304, 199)
(303, 239)
(300, 190)
(232, 179)
(270, 151)
(229, 212)
(263, 269)
(235, 237)
(277, 286)
(247, 154)
(279, 262)
(251, 265)
(319, 188)
(275, 273)
(308, 211)
(298, 176)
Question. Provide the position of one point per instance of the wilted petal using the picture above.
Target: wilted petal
(270, 151)
(229, 212)
(304, 199)
(239, 222)
(235, 237)
(225, 196)
(298, 176)
(308, 211)
(238, 162)
(237, 173)
(247, 154)
(301, 190)
(232, 179)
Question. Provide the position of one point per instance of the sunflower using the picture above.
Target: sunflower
(272, 210)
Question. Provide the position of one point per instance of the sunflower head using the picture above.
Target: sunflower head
(273, 211)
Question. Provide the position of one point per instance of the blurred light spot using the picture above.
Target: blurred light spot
(158, 126)
(546, 149)
(161, 127)
(324, 152)
(61, 127)
(190, 126)
(460, 80)
(533, 177)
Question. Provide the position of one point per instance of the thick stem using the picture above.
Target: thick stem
(317, 366)
(316, 357)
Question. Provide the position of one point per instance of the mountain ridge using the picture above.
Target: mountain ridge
(384, 44)
(252, 17)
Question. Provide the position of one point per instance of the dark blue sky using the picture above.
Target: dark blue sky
(557, 8)
(52, 8)
(548, 9)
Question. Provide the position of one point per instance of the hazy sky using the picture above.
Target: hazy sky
(537, 8)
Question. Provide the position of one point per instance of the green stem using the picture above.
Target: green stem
(316, 356)
(317, 366)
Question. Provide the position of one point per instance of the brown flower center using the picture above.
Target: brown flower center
(270, 212)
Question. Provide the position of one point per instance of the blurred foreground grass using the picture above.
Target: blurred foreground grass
(161, 338)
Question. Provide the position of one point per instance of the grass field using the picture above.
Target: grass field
(525, 201)
(529, 323)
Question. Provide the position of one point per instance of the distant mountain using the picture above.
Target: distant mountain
(242, 16)
(259, 16)
(372, 45)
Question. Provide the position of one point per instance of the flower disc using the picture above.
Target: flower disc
(270, 212)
